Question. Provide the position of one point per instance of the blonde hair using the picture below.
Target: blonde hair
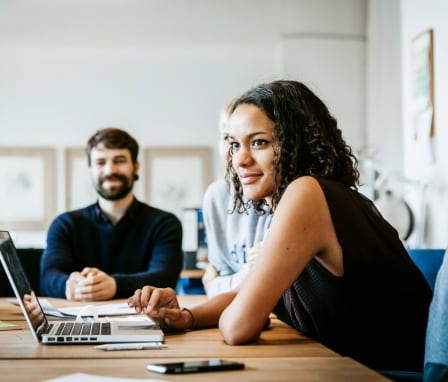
(224, 116)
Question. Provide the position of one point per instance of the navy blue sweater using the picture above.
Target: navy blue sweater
(143, 248)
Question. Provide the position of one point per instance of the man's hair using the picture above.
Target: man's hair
(113, 138)
(306, 139)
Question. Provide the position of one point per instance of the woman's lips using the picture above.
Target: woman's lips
(248, 178)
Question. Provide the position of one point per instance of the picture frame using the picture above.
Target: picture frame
(28, 187)
(176, 178)
(79, 189)
(423, 129)
(423, 70)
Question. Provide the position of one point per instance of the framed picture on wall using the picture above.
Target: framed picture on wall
(80, 191)
(176, 178)
(423, 94)
(27, 187)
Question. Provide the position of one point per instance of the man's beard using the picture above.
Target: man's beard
(116, 192)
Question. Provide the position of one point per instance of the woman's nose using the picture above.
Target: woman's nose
(242, 157)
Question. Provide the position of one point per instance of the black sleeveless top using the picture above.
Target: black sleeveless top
(377, 311)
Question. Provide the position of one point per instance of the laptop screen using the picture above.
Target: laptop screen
(20, 284)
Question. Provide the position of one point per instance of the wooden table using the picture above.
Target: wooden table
(281, 354)
(192, 273)
(274, 369)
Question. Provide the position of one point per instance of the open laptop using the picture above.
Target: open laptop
(65, 332)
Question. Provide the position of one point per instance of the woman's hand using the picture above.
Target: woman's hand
(161, 305)
(252, 253)
(209, 275)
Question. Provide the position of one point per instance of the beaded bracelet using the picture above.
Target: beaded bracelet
(192, 318)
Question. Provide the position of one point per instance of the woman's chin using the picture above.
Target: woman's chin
(253, 197)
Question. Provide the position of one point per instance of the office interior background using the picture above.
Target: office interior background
(163, 70)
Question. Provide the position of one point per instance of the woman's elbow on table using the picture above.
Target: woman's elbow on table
(237, 333)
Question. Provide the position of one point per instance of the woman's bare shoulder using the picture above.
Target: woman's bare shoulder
(305, 187)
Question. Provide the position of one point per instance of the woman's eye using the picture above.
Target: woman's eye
(259, 142)
(234, 145)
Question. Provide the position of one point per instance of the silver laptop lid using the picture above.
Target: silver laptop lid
(21, 286)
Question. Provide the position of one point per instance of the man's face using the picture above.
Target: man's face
(113, 172)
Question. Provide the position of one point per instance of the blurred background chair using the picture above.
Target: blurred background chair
(428, 261)
(30, 259)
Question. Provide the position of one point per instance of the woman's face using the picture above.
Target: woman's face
(250, 136)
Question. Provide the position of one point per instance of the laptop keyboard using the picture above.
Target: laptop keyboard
(81, 328)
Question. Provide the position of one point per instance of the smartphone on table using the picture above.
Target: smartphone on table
(194, 366)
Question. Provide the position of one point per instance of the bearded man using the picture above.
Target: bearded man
(116, 245)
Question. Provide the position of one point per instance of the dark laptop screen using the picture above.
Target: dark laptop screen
(20, 283)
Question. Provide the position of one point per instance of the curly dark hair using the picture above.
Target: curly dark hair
(306, 140)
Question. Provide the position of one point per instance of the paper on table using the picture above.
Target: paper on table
(117, 309)
(77, 377)
(102, 310)
(48, 309)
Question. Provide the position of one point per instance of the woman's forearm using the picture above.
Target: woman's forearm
(207, 314)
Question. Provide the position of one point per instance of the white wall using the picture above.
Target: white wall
(329, 54)
(418, 16)
(162, 69)
(392, 25)
(383, 135)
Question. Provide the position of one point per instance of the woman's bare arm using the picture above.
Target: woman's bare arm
(301, 229)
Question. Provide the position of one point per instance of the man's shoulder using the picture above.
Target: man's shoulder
(71, 214)
(154, 212)
(73, 219)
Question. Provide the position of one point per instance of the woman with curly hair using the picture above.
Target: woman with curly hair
(343, 274)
